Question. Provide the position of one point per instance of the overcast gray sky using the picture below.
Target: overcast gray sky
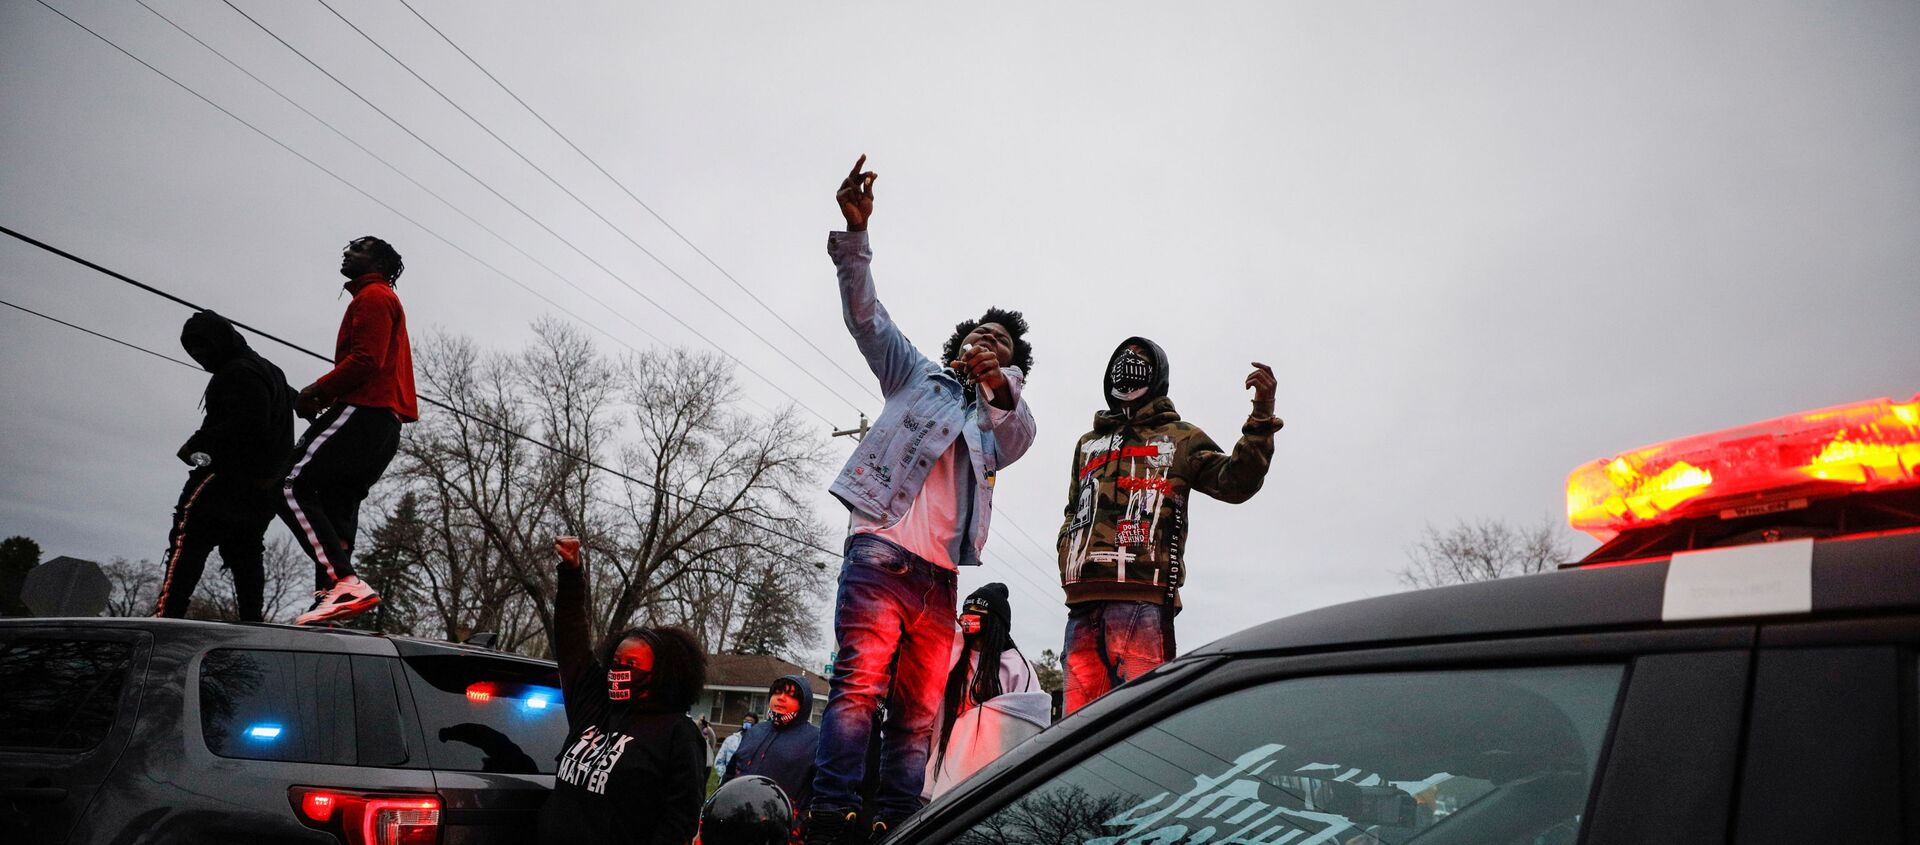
(1480, 242)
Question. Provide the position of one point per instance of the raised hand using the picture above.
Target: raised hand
(568, 548)
(856, 196)
(1262, 382)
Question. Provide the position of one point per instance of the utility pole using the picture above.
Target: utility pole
(856, 433)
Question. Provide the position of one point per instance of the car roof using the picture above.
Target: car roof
(237, 631)
(1873, 572)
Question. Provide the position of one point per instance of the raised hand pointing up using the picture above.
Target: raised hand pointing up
(856, 196)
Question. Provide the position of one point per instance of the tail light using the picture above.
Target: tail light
(360, 818)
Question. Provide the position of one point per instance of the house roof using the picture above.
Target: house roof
(756, 671)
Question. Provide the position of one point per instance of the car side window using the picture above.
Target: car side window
(292, 706)
(488, 715)
(60, 694)
(1478, 756)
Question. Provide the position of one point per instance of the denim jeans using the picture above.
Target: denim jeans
(1110, 643)
(893, 610)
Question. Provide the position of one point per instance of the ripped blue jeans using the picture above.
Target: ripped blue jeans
(894, 610)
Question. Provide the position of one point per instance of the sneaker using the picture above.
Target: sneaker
(347, 599)
(878, 832)
(829, 827)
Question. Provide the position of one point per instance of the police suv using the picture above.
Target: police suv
(1738, 662)
(166, 730)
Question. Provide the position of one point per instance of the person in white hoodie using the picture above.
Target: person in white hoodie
(985, 712)
(732, 744)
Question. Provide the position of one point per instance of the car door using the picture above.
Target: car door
(1536, 741)
(1831, 741)
(68, 702)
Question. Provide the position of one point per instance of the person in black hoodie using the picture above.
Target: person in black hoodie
(631, 769)
(783, 748)
(228, 500)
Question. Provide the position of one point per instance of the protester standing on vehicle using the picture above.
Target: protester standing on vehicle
(784, 749)
(631, 769)
(357, 409)
(968, 737)
(235, 458)
(1121, 546)
(920, 491)
(732, 744)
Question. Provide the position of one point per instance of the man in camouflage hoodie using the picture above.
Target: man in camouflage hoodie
(1126, 516)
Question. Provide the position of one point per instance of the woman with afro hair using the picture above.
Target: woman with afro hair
(633, 768)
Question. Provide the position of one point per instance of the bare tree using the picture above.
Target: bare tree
(724, 495)
(487, 499)
(133, 587)
(288, 586)
(1483, 550)
(1058, 814)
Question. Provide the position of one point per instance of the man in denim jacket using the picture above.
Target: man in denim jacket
(920, 491)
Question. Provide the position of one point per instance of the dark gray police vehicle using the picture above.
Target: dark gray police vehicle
(173, 731)
(1738, 662)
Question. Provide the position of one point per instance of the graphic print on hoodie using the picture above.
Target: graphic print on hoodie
(1126, 514)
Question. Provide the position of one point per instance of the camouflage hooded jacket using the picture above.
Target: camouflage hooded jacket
(1126, 513)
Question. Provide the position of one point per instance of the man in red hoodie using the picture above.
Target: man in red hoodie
(357, 409)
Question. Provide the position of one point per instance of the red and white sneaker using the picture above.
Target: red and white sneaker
(346, 600)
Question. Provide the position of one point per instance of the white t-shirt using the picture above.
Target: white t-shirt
(936, 524)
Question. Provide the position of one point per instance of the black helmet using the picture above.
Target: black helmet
(748, 810)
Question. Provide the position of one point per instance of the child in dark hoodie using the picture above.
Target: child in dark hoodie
(783, 747)
(1121, 561)
(229, 497)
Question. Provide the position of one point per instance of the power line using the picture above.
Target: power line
(530, 217)
(323, 169)
(590, 209)
(110, 338)
(402, 215)
(637, 201)
(429, 191)
(428, 399)
(409, 219)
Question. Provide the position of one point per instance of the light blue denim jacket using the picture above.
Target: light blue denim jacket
(926, 409)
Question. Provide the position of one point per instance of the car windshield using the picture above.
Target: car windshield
(1483, 756)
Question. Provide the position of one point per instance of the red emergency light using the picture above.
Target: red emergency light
(364, 819)
(1774, 465)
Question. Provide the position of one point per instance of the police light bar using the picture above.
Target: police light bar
(1775, 465)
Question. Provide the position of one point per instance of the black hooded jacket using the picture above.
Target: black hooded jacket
(248, 429)
(784, 753)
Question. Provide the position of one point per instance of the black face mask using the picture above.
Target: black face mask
(622, 680)
(1130, 376)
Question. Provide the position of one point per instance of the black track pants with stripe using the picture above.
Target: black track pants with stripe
(216, 512)
(338, 460)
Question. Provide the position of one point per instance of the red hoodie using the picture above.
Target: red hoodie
(373, 362)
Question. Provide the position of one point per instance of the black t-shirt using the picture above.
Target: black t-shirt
(628, 774)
